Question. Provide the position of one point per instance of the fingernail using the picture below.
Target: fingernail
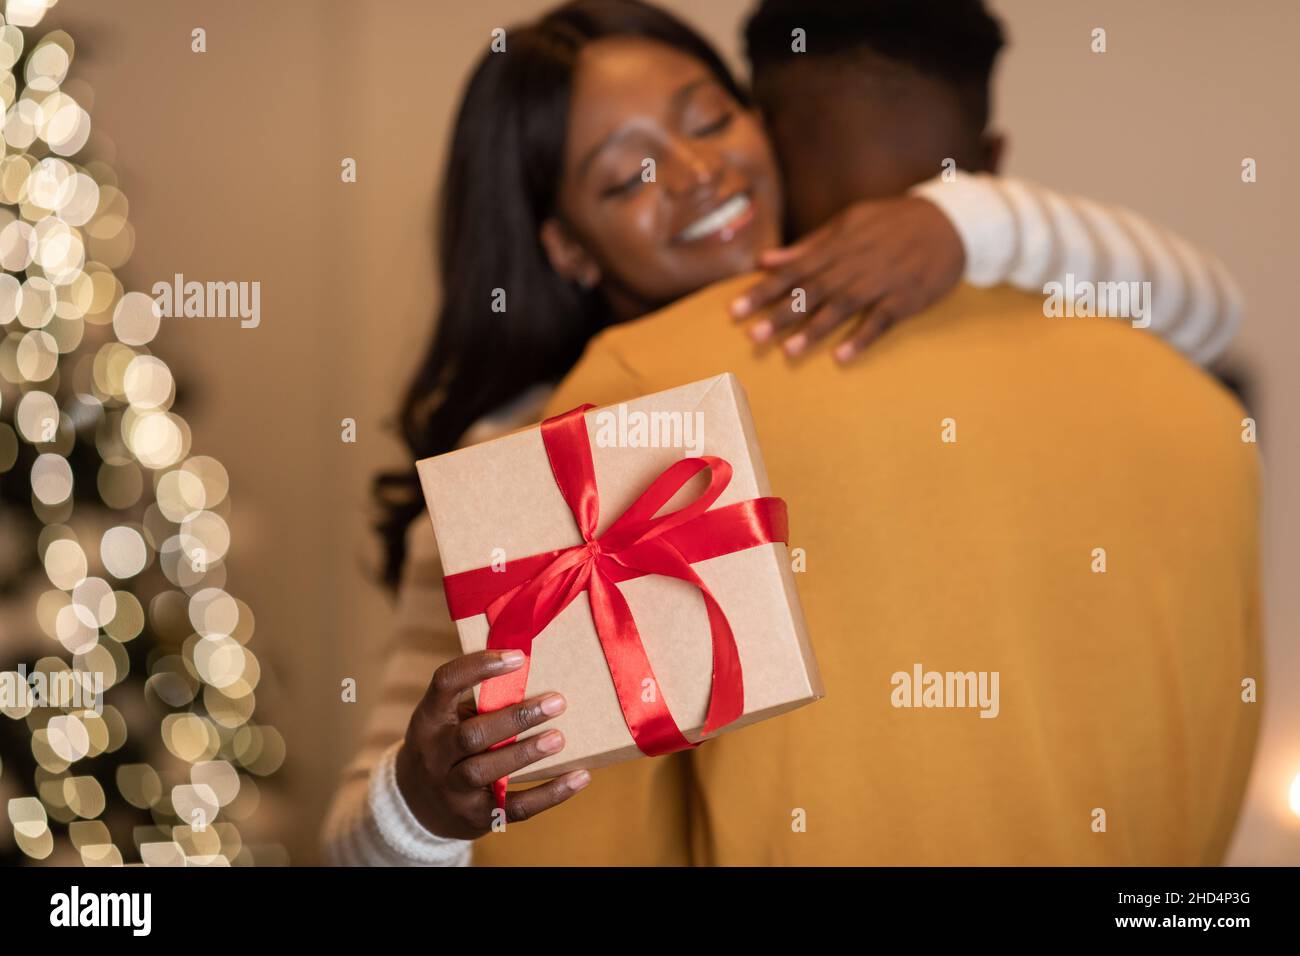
(550, 741)
(552, 704)
(795, 344)
(512, 658)
(845, 352)
(579, 780)
(740, 308)
(761, 331)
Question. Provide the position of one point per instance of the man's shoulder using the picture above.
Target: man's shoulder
(698, 330)
(995, 337)
(1109, 360)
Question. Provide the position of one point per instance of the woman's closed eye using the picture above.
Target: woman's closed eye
(713, 127)
(625, 187)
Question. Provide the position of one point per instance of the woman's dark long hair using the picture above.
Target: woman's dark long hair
(502, 178)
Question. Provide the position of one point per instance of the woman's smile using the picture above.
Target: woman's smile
(722, 223)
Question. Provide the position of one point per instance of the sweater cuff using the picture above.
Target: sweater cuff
(399, 828)
(983, 219)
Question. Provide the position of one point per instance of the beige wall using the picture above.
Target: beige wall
(231, 160)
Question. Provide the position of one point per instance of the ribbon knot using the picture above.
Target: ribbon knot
(531, 592)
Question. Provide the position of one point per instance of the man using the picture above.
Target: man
(1062, 508)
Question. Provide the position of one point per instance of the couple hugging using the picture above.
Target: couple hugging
(979, 485)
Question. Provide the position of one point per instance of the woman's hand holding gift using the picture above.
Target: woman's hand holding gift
(446, 767)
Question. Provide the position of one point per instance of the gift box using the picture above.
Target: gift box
(635, 553)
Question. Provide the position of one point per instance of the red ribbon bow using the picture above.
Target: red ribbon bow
(524, 598)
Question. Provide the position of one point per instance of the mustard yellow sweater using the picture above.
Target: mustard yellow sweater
(1090, 536)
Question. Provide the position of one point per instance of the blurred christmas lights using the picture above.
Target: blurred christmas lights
(135, 554)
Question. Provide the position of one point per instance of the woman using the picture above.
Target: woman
(566, 209)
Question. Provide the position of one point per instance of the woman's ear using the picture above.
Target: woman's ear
(568, 257)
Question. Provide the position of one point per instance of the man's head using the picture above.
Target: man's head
(871, 96)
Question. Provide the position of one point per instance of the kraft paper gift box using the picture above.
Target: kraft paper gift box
(499, 501)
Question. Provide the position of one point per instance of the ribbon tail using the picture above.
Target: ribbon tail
(495, 693)
(652, 726)
(727, 694)
(727, 688)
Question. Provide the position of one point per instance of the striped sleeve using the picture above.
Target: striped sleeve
(1025, 235)
(369, 823)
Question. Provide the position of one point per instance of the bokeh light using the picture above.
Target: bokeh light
(147, 653)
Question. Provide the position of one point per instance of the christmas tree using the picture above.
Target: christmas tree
(127, 686)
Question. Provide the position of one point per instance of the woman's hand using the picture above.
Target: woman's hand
(892, 258)
(445, 768)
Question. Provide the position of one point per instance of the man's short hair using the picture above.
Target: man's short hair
(954, 40)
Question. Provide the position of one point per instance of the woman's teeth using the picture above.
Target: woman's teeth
(718, 219)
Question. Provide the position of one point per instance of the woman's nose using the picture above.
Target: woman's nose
(692, 167)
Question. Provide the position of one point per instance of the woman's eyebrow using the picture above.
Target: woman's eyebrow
(676, 102)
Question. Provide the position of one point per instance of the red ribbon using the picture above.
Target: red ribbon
(521, 600)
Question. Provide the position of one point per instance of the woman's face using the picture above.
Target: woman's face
(712, 205)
